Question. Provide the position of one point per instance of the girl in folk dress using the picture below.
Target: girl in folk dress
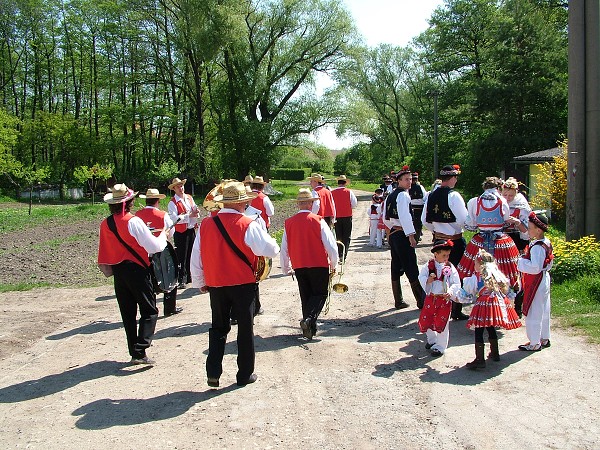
(492, 309)
(441, 283)
(535, 266)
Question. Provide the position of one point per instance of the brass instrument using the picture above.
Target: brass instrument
(263, 268)
(340, 287)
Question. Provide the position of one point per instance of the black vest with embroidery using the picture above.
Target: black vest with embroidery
(438, 209)
(415, 192)
(391, 207)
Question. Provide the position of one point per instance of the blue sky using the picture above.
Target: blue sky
(384, 21)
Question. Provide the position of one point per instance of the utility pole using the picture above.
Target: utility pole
(583, 183)
(436, 172)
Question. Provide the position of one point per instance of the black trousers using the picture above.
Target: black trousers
(416, 220)
(133, 288)
(170, 302)
(183, 247)
(455, 255)
(404, 257)
(343, 231)
(313, 284)
(224, 301)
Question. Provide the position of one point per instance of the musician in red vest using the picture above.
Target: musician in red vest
(345, 201)
(326, 206)
(131, 269)
(159, 220)
(262, 201)
(184, 213)
(309, 250)
(224, 260)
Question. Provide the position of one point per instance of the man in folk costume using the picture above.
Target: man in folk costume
(224, 261)
(488, 214)
(184, 213)
(125, 243)
(159, 220)
(398, 219)
(418, 194)
(262, 201)
(535, 267)
(309, 250)
(444, 214)
(326, 206)
(345, 201)
(387, 186)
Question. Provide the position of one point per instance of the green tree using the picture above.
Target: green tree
(92, 176)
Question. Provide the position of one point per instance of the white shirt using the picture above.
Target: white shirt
(404, 219)
(524, 209)
(536, 263)
(142, 234)
(259, 241)
(353, 199)
(437, 287)
(268, 204)
(458, 208)
(189, 207)
(328, 242)
(419, 201)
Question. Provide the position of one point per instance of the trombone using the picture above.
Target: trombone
(340, 287)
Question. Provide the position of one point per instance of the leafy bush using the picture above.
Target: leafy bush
(290, 174)
(574, 259)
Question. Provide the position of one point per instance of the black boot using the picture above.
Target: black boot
(418, 292)
(457, 313)
(399, 302)
(494, 352)
(478, 362)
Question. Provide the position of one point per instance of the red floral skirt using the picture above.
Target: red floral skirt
(505, 254)
(435, 313)
(493, 310)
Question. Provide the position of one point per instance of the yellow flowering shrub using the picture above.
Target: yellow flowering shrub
(575, 258)
(553, 177)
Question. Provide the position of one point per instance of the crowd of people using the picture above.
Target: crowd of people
(502, 271)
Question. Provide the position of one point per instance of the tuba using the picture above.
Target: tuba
(264, 265)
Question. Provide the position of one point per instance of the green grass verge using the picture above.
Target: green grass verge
(576, 303)
(23, 286)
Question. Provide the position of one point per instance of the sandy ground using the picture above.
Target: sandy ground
(366, 381)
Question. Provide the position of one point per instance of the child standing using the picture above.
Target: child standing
(492, 308)
(535, 265)
(375, 233)
(440, 281)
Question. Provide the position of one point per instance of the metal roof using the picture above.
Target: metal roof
(538, 157)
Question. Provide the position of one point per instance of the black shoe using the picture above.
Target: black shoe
(213, 382)
(171, 313)
(460, 316)
(546, 343)
(307, 331)
(436, 353)
(428, 346)
(250, 380)
(260, 312)
(181, 285)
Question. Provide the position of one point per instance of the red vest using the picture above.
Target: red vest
(182, 227)
(259, 203)
(111, 251)
(222, 267)
(305, 247)
(153, 218)
(341, 198)
(326, 207)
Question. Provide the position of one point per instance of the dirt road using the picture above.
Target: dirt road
(366, 381)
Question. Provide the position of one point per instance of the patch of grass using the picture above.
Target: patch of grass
(17, 217)
(576, 303)
(23, 286)
(363, 185)
(55, 243)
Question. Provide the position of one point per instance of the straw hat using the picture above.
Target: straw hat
(305, 195)
(343, 178)
(234, 192)
(259, 180)
(119, 193)
(315, 177)
(248, 179)
(152, 193)
(177, 182)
